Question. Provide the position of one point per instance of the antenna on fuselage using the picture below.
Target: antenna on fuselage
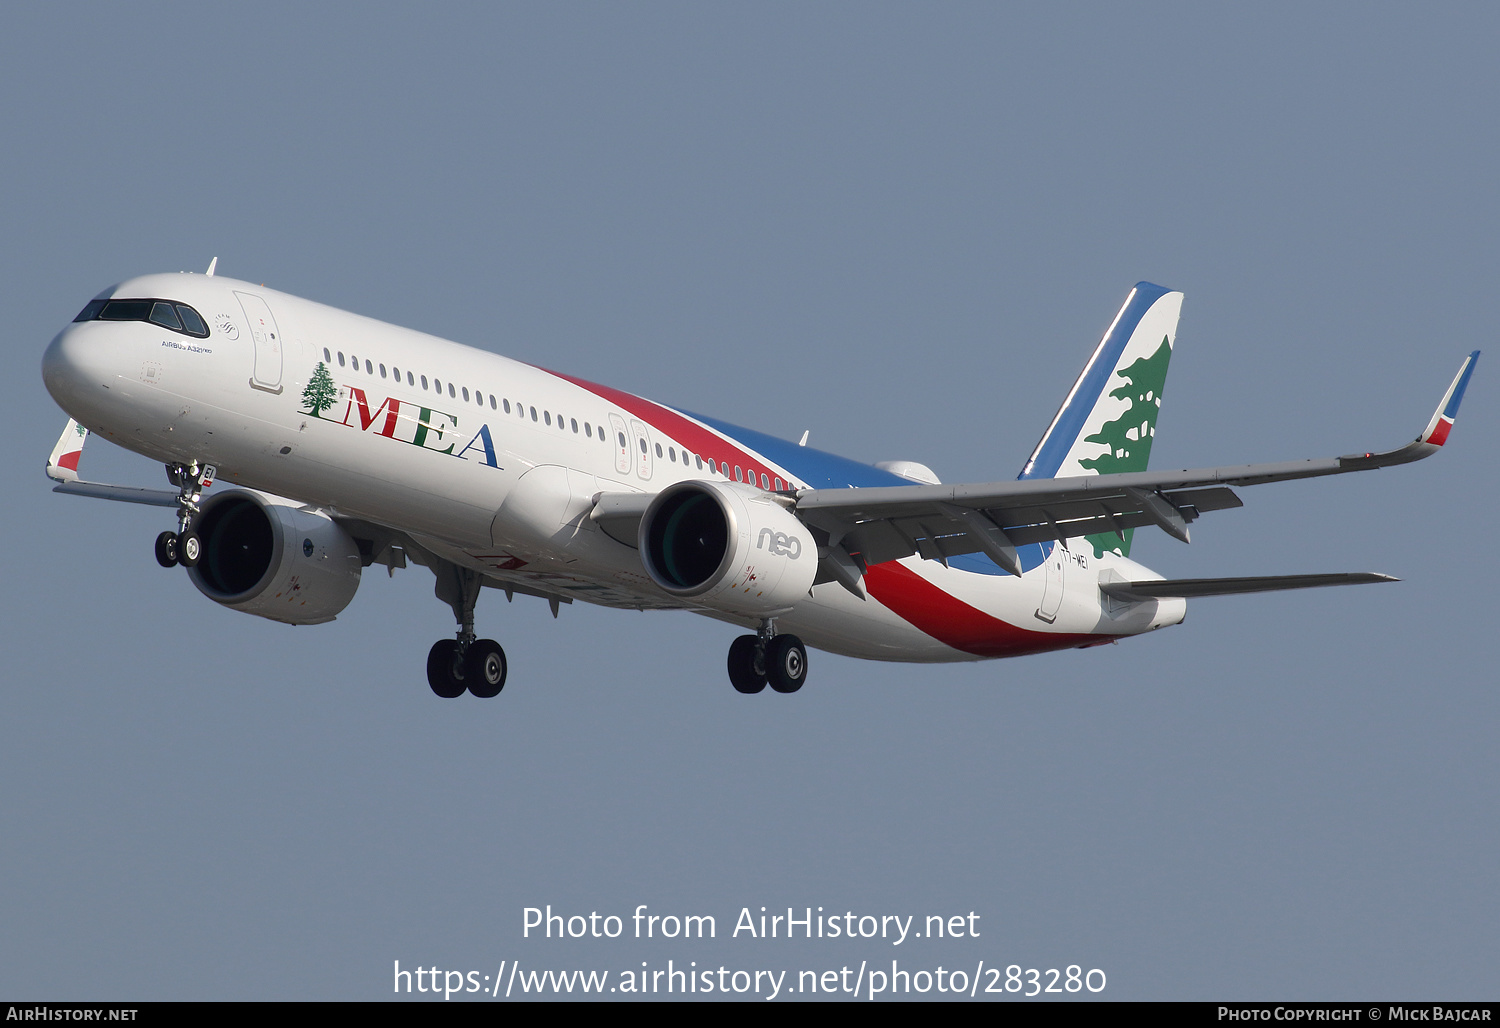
(803, 440)
(211, 266)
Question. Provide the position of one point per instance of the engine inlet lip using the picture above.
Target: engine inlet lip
(207, 517)
(731, 532)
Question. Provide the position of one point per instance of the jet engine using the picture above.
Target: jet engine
(273, 559)
(727, 548)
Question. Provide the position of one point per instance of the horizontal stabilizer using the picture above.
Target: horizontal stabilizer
(1188, 587)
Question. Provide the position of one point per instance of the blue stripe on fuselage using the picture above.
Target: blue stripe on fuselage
(819, 469)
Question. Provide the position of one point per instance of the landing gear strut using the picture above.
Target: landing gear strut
(755, 660)
(184, 546)
(465, 663)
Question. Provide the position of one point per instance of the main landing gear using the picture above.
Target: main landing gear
(184, 545)
(756, 660)
(464, 664)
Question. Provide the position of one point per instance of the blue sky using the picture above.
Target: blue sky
(902, 228)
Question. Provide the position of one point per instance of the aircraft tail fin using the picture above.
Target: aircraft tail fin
(1108, 420)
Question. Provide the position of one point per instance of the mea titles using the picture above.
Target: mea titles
(765, 926)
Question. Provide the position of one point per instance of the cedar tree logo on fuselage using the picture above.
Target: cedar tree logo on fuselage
(402, 421)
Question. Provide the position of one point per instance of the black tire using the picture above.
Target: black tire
(166, 549)
(786, 663)
(746, 674)
(484, 668)
(445, 672)
(189, 549)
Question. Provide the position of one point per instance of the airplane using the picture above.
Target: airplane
(306, 443)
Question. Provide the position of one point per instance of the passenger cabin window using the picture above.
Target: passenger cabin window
(327, 357)
(169, 314)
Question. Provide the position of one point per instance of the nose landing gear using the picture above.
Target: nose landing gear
(767, 658)
(184, 546)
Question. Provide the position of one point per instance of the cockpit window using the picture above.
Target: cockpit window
(191, 323)
(126, 310)
(163, 314)
(178, 317)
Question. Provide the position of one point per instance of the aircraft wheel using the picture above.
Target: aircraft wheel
(445, 672)
(484, 668)
(786, 663)
(166, 549)
(746, 673)
(189, 549)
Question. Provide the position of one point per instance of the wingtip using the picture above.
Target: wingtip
(1436, 433)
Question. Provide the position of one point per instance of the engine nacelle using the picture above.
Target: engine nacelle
(273, 559)
(728, 548)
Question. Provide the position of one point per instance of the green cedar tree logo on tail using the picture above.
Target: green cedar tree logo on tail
(320, 392)
(1129, 436)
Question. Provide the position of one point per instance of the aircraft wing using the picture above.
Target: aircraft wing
(875, 525)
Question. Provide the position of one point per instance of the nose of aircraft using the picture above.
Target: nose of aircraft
(67, 367)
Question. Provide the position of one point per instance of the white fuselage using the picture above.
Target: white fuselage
(494, 465)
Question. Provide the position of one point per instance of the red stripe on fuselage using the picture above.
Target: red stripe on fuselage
(690, 434)
(953, 622)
